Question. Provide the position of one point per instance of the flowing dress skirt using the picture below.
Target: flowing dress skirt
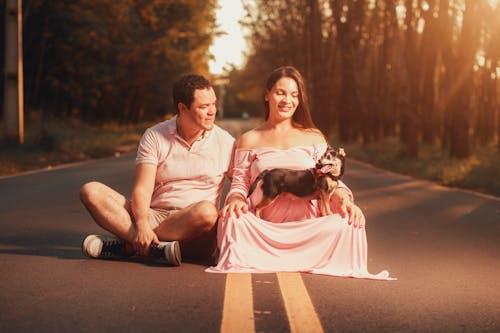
(322, 245)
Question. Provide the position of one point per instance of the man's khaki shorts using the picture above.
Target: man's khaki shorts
(158, 215)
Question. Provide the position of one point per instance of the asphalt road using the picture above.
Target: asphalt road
(442, 244)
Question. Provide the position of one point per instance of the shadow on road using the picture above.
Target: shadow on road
(67, 245)
(54, 244)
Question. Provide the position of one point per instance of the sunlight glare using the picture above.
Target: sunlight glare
(480, 58)
(401, 13)
(228, 48)
(420, 25)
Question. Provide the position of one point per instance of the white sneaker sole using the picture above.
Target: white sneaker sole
(92, 246)
(173, 254)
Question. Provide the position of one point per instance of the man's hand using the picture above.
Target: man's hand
(141, 200)
(144, 238)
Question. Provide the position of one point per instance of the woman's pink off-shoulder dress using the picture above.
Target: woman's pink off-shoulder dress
(291, 235)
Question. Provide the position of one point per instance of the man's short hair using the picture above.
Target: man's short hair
(184, 87)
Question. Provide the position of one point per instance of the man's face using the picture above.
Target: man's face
(203, 109)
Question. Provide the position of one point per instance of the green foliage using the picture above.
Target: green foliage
(113, 60)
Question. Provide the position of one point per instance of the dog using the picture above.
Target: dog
(315, 183)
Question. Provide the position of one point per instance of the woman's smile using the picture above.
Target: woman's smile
(285, 108)
(283, 97)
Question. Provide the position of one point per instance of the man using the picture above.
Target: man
(180, 169)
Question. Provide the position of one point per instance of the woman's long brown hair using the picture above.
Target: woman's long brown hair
(302, 115)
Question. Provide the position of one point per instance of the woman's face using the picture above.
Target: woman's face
(283, 99)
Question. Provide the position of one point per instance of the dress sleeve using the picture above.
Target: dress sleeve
(318, 151)
(344, 186)
(241, 172)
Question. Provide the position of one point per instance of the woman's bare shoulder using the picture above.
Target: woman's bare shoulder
(313, 136)
(248, 139)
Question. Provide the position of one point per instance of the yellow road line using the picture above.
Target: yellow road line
(302, 316)
(237, 314)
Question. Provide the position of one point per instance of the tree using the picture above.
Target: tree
(429, 54)
(461, 67)
(114, 60)
(386, 67)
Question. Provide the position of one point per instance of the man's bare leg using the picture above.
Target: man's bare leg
(202, 248)
(195, 227)
(109, 209)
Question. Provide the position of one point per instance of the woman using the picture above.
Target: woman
(290, 235)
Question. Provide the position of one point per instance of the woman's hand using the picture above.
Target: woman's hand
(144, 238)
(235, 204)
(343, 204)
(356, 216)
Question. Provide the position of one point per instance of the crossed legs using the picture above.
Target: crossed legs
(193, 225)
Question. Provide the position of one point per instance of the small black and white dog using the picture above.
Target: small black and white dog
(315, 183)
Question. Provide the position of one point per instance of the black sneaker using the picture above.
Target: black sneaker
(170, 251)
(104, 247)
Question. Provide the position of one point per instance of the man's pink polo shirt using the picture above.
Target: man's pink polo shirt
(186, 174)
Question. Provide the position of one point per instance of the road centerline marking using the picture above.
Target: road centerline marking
(238, 313)
(300, 311)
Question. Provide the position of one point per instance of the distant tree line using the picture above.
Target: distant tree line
(111, 60)
(424, 70)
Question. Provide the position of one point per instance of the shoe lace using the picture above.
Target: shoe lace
(156, 251)
(112, 247)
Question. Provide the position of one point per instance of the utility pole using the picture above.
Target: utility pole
(13, 81)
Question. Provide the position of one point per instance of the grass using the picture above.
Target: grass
(66, 142)
(479, 172)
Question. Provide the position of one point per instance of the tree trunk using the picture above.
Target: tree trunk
(485, 123)
(409, 104)
(316, 84)
(460, 145)
(446, 73)
(389, 96)
(351, 103)
(429, 61)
